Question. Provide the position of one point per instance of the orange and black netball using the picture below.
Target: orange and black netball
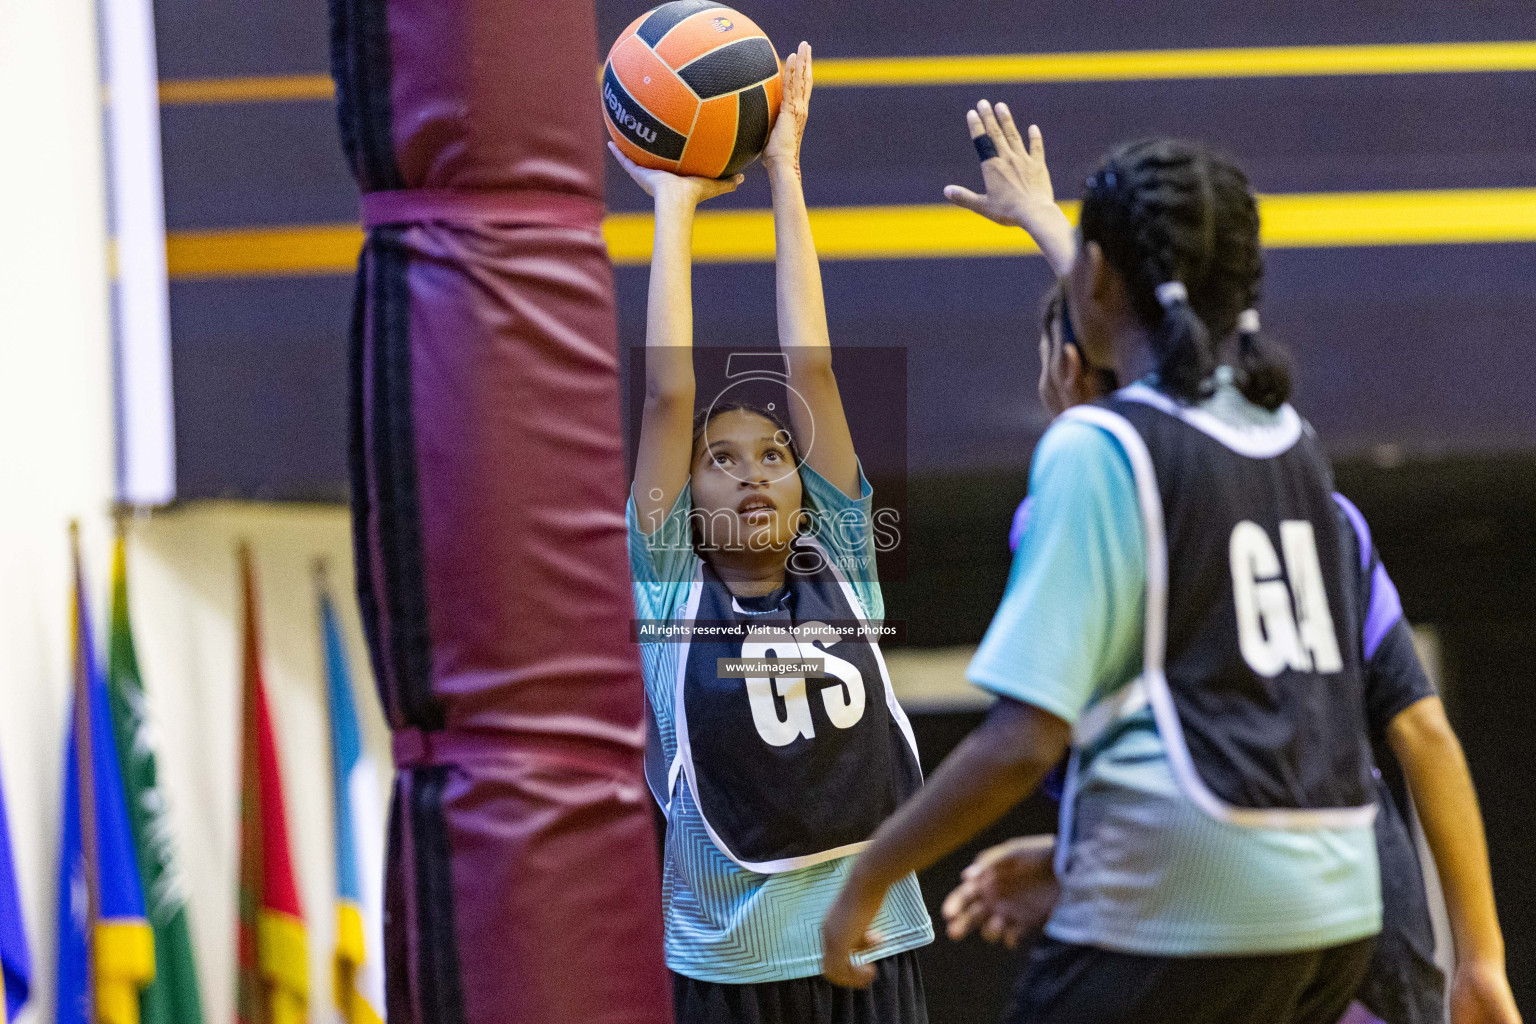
(692, 87)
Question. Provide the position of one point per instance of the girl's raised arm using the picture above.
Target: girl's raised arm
(666, 425)
(819, 424)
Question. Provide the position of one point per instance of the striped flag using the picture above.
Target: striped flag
(173, 997)
(359, 843)
(15, 958)
(273, 981)
(106, 949)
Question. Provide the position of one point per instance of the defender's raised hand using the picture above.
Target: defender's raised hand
(795, 108)
(1019, 192)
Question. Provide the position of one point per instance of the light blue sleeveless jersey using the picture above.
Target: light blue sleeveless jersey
(724, 923)
(1146, 871)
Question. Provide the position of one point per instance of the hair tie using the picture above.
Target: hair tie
(1105, 178)
(1248, 322)
(1171, 294)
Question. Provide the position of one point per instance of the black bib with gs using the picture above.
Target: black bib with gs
(789, 771)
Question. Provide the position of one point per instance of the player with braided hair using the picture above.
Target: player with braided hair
(1182, 615)
(1186, 206)
(1008, 892)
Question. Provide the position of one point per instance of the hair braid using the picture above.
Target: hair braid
(1165, 212)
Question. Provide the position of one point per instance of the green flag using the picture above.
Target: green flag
(173, 997)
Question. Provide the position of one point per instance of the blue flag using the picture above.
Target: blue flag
(15, 959)
(359, 844)
(124, 953)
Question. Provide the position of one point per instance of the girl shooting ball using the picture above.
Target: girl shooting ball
(751, 532)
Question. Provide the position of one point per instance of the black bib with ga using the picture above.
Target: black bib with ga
(789, 771)
(1253, 660)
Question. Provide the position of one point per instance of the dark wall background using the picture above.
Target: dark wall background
(1415, 363)
(1420, 351)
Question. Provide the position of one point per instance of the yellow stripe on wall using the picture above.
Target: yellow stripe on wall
(842, 233)
(264, 252)
(253, 89)
(1399, 218)
(970, 69)
(1132, 65)
(1302, 220)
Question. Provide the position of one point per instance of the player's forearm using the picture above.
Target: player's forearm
(802, 311)
(669, 304)
(1053, 233)
(661, 463)
(993, 768)
(1437, 775)
(802, 307)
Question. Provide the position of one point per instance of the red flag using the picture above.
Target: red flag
(273, 985)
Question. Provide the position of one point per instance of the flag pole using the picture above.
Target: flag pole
(320, 575)
(85, 770)
(345, 976)
(251, 997)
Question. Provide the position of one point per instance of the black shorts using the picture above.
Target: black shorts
(1403, 984)
(1067, 984)
(894, 997)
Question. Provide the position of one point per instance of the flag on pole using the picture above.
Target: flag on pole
(106, 949)
(273, 983)
(15, 958)
(172, 998)
(359, 842)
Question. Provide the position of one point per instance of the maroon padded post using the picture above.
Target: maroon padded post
(488, 486)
